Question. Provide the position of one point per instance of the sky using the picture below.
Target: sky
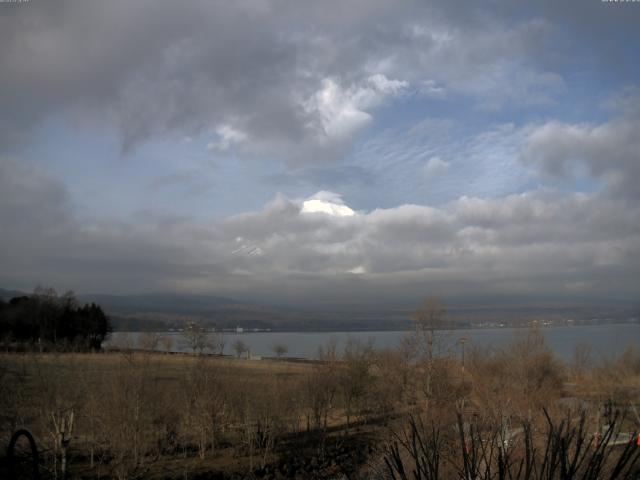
(335, 153)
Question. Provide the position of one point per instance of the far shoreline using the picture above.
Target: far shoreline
(633, 321)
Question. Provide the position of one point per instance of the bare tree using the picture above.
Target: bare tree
(58, 403)
(149, 341)
(355, 378)
(321, 386)
(581, 359)
(132, 402)
(194, 337)
(217, 343)
(426, 340)
(517, 380)
(167, 342)
(280, 349)
(428, 319)
(122, 341)
(240, 347)
(62, 432)
(204, 405)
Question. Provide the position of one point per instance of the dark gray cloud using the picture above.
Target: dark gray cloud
(608, 151)
(157, 68)
(528, 245)
(261, 68)
(300, 81)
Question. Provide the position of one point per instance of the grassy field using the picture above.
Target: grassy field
(156, 403)
(151, 415)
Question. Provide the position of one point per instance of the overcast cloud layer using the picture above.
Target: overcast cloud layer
(323, 152)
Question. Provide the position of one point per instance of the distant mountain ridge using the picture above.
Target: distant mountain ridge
(162, 311)
(168, 302)
(7, 295)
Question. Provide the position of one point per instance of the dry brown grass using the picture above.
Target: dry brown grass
(151, 403)
(191, 413)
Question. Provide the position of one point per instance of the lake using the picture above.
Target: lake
(605, 341)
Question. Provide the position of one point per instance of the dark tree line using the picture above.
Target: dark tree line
(45, 319)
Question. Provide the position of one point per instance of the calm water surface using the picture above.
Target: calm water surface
(605, 341)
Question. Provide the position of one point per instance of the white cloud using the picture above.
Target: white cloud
(608, 151)
(359, 270)
(299, 91)
(248, 250)
(535, 244)
(431, 88)
(339, 112)
(385, 86)
(435, 166)
(484, 61)
(228, 137)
